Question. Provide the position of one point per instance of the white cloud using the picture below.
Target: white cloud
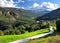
(45, 5)
(22, 7)
(20, 1)
(35, 5)
(6, 3)
(9, 3)
(49, 5)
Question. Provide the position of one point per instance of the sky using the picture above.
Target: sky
(31, 4)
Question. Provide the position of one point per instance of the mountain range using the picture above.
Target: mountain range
(53, 15)
(28, 15)
(20, 14)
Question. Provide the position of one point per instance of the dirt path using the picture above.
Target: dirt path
(34, 37)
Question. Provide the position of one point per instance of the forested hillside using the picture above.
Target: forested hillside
(53, 15)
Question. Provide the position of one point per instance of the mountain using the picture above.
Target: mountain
(20, 14)
(38, 12)
(16, 14)
(50, 16)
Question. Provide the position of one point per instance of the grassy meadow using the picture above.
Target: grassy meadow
(9, 38)
(54, 38)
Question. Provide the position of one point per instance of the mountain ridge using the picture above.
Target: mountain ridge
(50, 16)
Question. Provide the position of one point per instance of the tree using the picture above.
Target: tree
(17, 32)
(22, 29)
(9, 31)
(32, 28)
(58, 25)
(3, 25)
(6, 32)
(27, 26)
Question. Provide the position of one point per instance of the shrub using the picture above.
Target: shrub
(6, 32)
(17, 32)
(3, 25)
(21, 28)
(1, 33)
(58, 25)
(22, 31)
(26, 26)
(9, 32)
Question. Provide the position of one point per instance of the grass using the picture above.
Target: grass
(53, 38)
(9, 38)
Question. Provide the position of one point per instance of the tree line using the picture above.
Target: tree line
(19, 27)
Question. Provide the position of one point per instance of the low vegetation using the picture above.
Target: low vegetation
(9, 38)
(54, 38)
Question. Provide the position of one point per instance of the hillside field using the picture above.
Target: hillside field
(9, 38)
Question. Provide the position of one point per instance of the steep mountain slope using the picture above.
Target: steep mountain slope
(16, 14)
(22, 14)
(50, 16)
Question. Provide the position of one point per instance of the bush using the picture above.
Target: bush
(1, 33)
(9, 32)
(27, 26)
(6, 32)
(22, 31)
(21, 28)
(17, 32)
(58, 25)
(3, 25)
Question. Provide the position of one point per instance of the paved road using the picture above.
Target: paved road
(34, 37)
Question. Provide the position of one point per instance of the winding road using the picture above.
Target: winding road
(34, 37)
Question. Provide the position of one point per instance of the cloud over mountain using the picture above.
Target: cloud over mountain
(33, 4)
(45, 5)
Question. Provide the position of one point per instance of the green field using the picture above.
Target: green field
(9, 38)
(53, 38)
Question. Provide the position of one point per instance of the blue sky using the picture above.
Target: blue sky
(31, 4)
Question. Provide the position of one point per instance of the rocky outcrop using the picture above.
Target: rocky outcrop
(14, 14)
(0, 12)
(9, 13)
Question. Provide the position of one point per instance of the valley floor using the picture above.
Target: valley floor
(9, 38)
(54, 38)
(35, 37)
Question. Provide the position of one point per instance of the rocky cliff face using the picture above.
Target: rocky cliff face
(19, 14)
(9, 13)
